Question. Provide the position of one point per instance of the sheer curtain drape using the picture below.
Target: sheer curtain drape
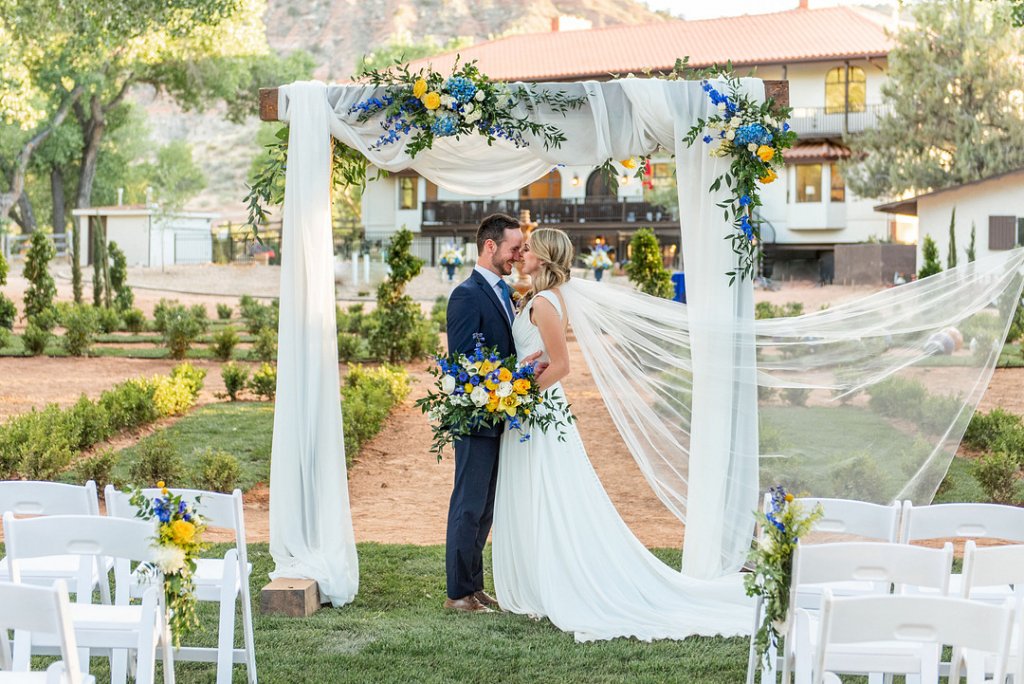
(311, 534)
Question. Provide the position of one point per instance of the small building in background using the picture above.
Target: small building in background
(993, 206)
(147, 235)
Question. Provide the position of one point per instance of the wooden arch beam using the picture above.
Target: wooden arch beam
(776, 90)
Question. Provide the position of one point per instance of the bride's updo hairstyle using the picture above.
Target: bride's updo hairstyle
(554, 250)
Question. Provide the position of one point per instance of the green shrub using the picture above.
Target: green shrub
(130, 404)
(350, 347)
(439, 312)
(99, 469)
(8, 312)
(45, 454)
(86, 423)
(5, 338)
(897, 397)
(224, 312)
(997, 475)
(41, 290)
(180, 330)
(218, 471)
(769, 310)
(770, 439)
(367, 398)
(258, 316)
(766, 394)
(858, 478)
(224, 343)
(265, 346)
(108, 319)
(48, 318)
(189, 376)
(938, 411)
(796, 396)
(134, 320)
(124, 298)
(80, 326)
(986, 429)
(395, 333)
(235, 378)
(199, 313)
(646, 268)
(395, 380)
(156, 459)
(930, 256)
(264, 382)
(35, 339)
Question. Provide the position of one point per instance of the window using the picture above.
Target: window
(407, 192)
(662, 170)
(550, 186)
(808, 183)
(1002, 232)
(838, 193)
(835, 90)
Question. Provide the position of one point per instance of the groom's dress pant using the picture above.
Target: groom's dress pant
(470, 513)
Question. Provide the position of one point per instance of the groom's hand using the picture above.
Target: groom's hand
(540, 367)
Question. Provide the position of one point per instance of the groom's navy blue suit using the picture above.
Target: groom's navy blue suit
(474, 307)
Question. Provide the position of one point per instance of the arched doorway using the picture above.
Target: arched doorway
(547, 187)
(597, 186)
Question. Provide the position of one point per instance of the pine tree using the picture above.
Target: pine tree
(970, 247)
(41, 290)
(951, 258)
(645, 268)
(124, 298)
(952, 79)
(930, 253)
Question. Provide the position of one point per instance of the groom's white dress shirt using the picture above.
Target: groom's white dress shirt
(493, 279)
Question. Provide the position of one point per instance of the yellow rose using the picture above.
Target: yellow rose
(509, 403)
(492, 403)
(521, 386)
(182, 532)
(468, 387)
(490, 385)
(766, 153)
(768, 177)
(432, 100)
(487, 366)
(419, 88)
(504, 375)
(160, 484)
(629, 163)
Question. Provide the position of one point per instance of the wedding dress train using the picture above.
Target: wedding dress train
(561, 550)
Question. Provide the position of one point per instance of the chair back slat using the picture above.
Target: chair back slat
(979, 521)
(991, 566)
(881, 563)
(40, 610)
(78, 535)
(856, 518)
(218, 510)
(23, 497)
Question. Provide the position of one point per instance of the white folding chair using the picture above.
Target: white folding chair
(217, 580)
(866, 521)
(885, 630)
(968, 520)
(28, 498)
(115, 628)
(39, 610)
(997, 567)
(857, 569)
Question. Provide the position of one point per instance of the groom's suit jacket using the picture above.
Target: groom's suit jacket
(474, 307)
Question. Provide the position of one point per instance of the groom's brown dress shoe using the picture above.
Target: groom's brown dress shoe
(486, 600)
(466, 604)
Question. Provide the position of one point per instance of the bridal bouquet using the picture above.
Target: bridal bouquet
(782, 525)
(177, 545)
(481, 390)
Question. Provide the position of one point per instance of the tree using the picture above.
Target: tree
(8, 312)
(930, 253)
(124, 298)
(402, 49)
(953, 80)
(41, 290)
(645, 268)
(951, 257)
(970, 247)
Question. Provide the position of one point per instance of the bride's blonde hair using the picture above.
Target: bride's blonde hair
(554, 250)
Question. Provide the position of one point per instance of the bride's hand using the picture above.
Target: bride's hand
(540, 366)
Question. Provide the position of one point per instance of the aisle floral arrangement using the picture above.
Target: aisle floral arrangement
(178, 543)
(597, 260)
(451, 257)
(753, 135)
(483, 389)
(782, 526)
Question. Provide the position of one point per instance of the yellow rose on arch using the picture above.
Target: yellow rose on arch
(766, 153)
(432, 100)
(419, 89)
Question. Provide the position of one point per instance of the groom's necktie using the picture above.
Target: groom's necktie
(506, 296)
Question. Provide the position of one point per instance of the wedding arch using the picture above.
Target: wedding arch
(695, 432)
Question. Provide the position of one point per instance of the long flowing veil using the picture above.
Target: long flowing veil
(867, 400)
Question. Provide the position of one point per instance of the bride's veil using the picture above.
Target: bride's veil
(865, 400)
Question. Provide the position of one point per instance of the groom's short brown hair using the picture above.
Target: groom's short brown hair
(493, 227)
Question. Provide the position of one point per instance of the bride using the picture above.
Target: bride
(560, 549)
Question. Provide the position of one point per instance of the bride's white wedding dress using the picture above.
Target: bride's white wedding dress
(561, 550)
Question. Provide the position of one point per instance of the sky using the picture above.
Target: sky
(702, 9)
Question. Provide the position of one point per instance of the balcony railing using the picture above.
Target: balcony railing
(557, 210)
(810, 121)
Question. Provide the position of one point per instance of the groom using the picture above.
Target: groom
(480, 304)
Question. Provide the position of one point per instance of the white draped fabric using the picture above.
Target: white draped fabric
(310, 535)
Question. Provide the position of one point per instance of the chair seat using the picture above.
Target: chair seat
(46, 569)
(997, 594)
(93, 616)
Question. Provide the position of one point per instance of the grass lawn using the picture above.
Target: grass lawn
(243, 429)
(396, 631)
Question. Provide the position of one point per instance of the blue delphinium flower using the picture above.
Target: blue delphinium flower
(745, 200)
(708, 138)
(461, 88)
(748, 230)
(785, 126)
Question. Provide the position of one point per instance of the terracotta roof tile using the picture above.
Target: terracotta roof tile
(782, 37)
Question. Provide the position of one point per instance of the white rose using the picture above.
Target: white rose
(752, 147)
(170, 559)
(468, 109)
(448, 384)
(504, 389)
(479, 396)
(479, 97)
(472, 118)
(730, 134)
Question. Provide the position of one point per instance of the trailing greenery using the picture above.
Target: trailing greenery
(645, 268)
(930, 255)
(41, 290)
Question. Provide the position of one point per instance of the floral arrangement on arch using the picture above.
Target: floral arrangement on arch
(598, 258)
(781, 528)
(753, 135)
(451, 256)
(178, 543)
(483, 389)
(423, 106)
